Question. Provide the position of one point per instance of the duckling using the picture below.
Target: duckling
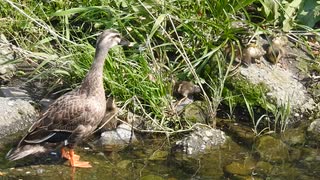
(73, 116)
(109, 121)
(185, 89)
(276, 49)
(252, 52)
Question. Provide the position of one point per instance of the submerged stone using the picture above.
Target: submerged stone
(236, 168)
(159, 155)
(263, 167)
(151, 177)
(294, 136)
(124, 164)
(271, 149)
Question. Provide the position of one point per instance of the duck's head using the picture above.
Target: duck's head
(110, 38)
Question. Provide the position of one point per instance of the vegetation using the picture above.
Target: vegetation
(173, 40)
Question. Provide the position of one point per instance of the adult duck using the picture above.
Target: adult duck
(73, 116)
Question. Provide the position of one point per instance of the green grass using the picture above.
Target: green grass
(174, 40)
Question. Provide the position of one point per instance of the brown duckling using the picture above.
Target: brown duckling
(251, 53)
(73, 116)
(185, 89)
(109, 121)
(276, 49)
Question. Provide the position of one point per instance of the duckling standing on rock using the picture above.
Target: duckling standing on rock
(73, 116)
(276, 49)
(185, 89)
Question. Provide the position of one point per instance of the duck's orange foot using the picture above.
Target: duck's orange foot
(80, 164)
(74, 160)
(65, 154)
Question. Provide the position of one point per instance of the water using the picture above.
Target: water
(153, 159)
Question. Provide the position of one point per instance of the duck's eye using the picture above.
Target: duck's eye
(116, 36)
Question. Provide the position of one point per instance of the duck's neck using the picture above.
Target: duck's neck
(93, 82)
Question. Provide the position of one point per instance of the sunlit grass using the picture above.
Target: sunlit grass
(173, 40)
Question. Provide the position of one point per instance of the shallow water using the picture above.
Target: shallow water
(153, 159)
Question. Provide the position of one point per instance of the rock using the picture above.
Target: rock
(236, 168)
(14, 93)
(239, 131)
(151, 177)
(16, 114)
(283, 86)
(7, 69)
(118, 138)
(271, 149)
(314, 131)
(200, 140)
(183, 103)
(195, 113)
(263, 168)
(294, 136)
(159, 155)
(124, 164)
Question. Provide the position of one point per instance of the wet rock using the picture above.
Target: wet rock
(310, 155)
(159, 155)
(241, 132)
(200, 140)
(118, 138)
(151, 177)
(195, 112)
(294, 136)
(295, 154)
(314, 131)
(236, 168)
(16, 114)
(271, 149)
(124, 164)
(263, 168)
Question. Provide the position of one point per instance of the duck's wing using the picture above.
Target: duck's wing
(59, 121)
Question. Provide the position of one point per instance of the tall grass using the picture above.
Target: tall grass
(174, 39)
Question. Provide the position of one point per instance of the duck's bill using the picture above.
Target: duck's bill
(124, 42)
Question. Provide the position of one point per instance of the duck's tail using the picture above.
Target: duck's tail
(23, 151)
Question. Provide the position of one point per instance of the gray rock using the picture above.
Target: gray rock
(314, 130)
(200, 140)
(7, 69)
(16, 114)
(14, 93)
(283, 85)
(118, 138)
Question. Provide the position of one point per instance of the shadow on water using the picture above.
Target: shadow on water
(152, 159)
